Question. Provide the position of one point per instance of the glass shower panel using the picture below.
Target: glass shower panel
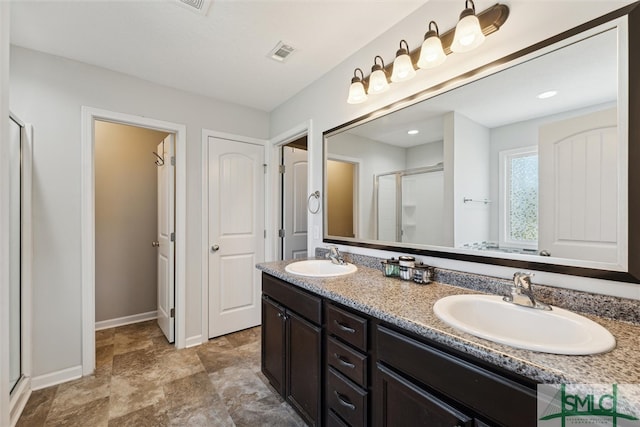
(422, 207)
(15, 312)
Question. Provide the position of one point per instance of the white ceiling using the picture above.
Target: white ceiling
(222, 55)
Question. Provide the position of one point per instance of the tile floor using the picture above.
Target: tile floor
(141, 380)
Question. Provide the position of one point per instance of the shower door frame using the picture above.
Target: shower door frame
(20, 393)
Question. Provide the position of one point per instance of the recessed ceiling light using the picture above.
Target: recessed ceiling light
(547, 94)
(413, 132)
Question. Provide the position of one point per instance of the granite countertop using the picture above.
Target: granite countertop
(409, 306)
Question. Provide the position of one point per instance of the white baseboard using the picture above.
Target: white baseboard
(19, 399)
(127, 320)
(54, 378)
(193, 341)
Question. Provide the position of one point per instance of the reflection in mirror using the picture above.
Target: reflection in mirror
(526, 163)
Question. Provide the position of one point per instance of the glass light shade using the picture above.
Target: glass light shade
(357, 94)
(402, 69)
(378, 82)
(468, 34)
(431, 53)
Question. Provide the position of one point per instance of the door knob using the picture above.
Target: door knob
(214, 248)
(155, 244)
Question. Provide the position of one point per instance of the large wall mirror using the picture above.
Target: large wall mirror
(525, 165)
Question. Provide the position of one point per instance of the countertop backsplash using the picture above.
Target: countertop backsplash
(621, 309)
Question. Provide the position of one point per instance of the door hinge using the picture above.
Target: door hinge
(173, 160)
(265, 234)
(172, 313)
(281, 233)
(173, 237)
(264, 165)
(281, 169)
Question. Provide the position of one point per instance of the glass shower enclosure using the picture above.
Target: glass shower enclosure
(410, 205)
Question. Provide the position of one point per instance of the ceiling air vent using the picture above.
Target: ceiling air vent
(200, 7)
(280, 52)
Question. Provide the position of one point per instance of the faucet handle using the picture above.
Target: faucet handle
(519, 274)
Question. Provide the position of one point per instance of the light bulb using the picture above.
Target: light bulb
(402, 66)
(357, 92)
(431, 53)
(468, 34)
(378, 80)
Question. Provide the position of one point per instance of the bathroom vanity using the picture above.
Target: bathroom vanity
(364, 349)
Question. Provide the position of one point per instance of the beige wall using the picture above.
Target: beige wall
(126, 220)
(340, 204)
(49, 92)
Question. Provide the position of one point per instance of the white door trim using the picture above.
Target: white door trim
(89, 115)
(204, 274)
(272, 206)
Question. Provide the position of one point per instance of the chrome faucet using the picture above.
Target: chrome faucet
(522, 292)
(335, 256)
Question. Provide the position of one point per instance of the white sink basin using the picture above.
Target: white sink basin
(557, 331)
(319, 268)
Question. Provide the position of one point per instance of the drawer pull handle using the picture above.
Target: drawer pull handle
(344, 402)
(345, 327)
(343, 362)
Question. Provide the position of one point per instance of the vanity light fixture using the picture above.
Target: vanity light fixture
(468, 33)
(431, 53)
(378, 82)
(403, 69)
(547, 94)
(357, 91)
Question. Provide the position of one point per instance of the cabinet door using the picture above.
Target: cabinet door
(273, 344)
(401, 403)
(303, 367)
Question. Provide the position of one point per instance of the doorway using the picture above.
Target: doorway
(293, 197)
(134, 202)
(88, 215)
(342, 194)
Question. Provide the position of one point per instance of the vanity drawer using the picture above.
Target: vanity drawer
(347, 326)
(347, 361)
(334, 421)
(346, 399)
(303, 303)
(497, 398)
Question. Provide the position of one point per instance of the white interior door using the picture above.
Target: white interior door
(579, 175)
(294, 199)
(166, 238)
(236, 234)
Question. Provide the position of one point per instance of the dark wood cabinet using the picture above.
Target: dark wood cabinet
(339, 367)
(402, 403)
(304, 350)
(292, 346)
(489, 398)
(273, 344)
(347, 389)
